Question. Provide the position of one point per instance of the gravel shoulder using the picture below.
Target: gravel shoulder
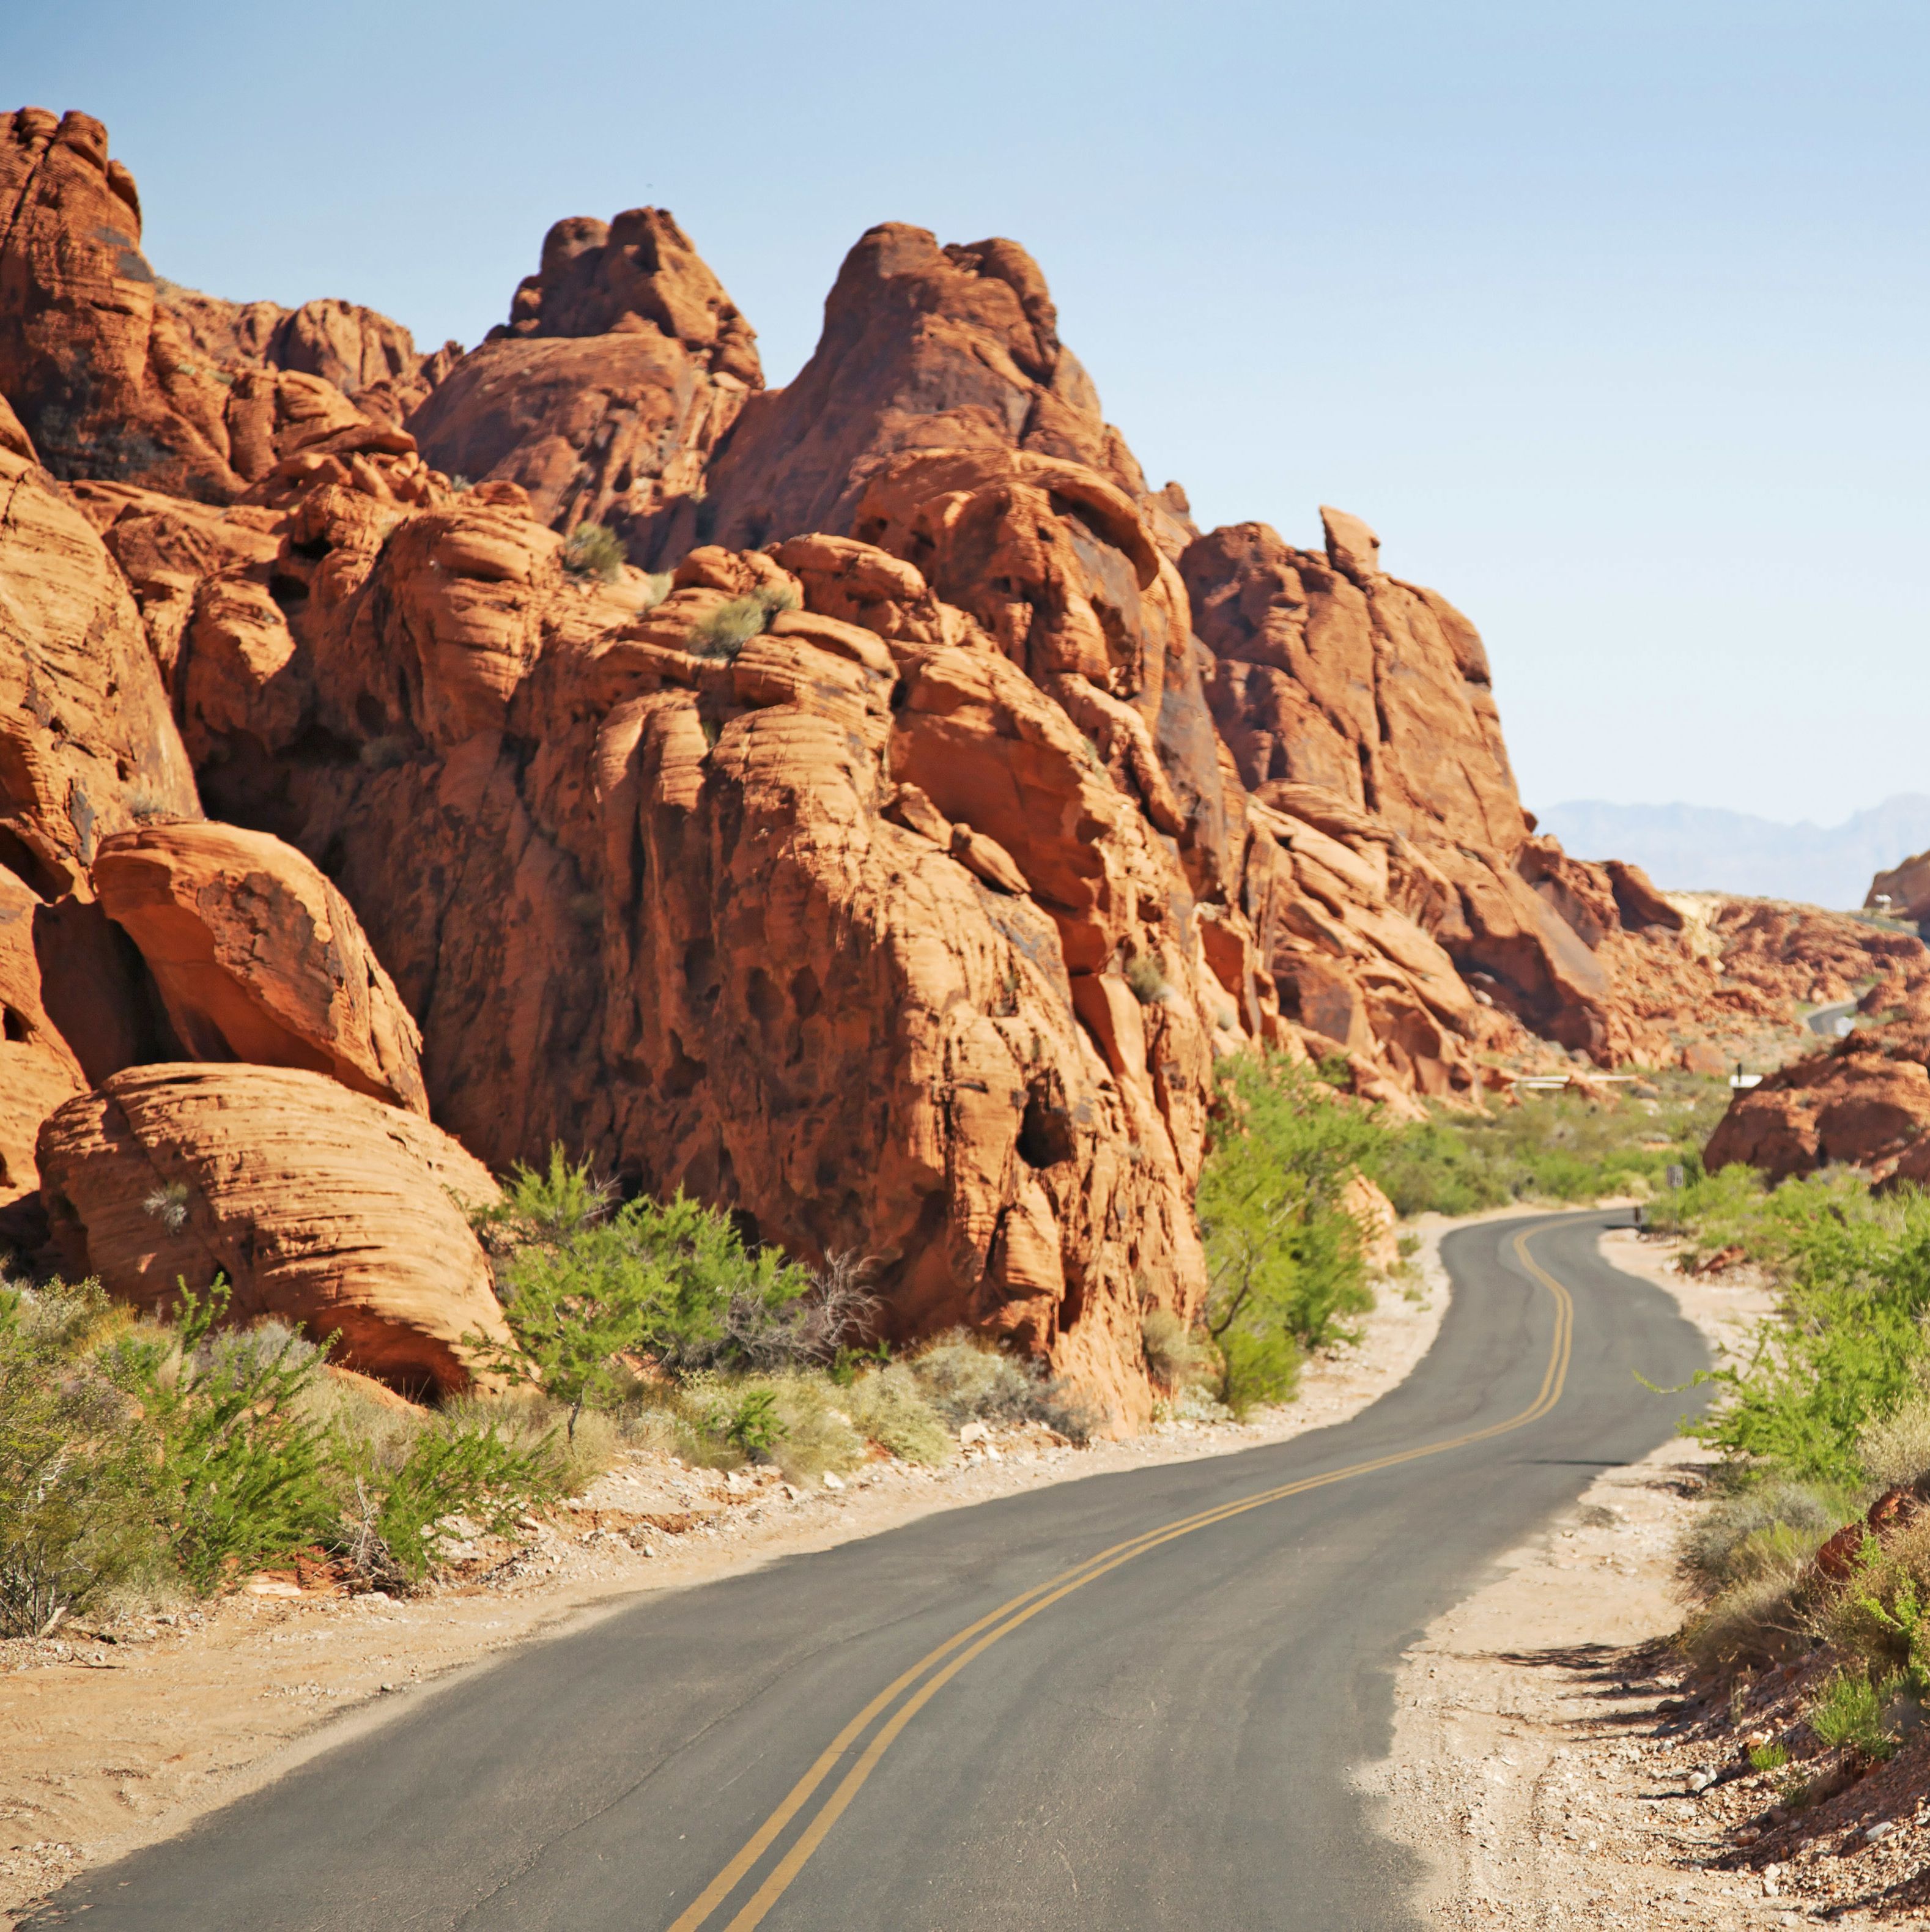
(120, 1734)
(1543, 1753)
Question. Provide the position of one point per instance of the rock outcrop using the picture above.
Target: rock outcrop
(259, 957)
(320, 1206)
(88, 749)
(1865, 1101)
(923, 348)
(721, 915)
(623, 364)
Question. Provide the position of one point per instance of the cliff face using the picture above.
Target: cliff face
(894, 877)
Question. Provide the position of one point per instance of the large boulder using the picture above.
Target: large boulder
(259, 957)
(320, 1206)
(1865, 1101)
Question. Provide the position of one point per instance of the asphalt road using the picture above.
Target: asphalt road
(1156, 1737)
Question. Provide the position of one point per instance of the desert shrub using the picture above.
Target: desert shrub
(1894, 1451)
(551, 1203)
(1763, 1531)
(724, 632)
(589, 1292)
(791, 1419)
(1847, 1349)
(887, 1406)
(1284, 1266)
(1149, 984)
(1552, 1146)
(75, 1520)
(1176, 1356)
(458, 1475)
(242, 1469)
(1749, 1626)
(1879, 1617)
(965, 1378)
(594, 550)
(1849, 1714)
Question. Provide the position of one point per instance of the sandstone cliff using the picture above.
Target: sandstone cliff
(891, 870)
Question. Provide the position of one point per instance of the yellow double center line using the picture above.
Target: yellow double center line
(937, 1668)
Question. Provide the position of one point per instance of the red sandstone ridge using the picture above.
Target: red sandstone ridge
(891, 868)
(623, 363)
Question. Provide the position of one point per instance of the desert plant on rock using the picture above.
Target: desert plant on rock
(724, 632)
(594, 550)
(1149, 985)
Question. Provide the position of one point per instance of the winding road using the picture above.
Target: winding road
(1123, 1703)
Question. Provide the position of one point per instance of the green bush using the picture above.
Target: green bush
(1846, 1350)
(241, 1470)
(588, 1292)
(75, 1520)
(594, 550)
(1849, 1714)
(725, 631)
(1284, 1265)
(1765, 1530)
(454, 1467)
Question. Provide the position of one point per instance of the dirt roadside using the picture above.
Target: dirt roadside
(1541, 1765)
(115, 1735)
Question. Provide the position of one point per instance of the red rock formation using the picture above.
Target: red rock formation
(87, 748)
(623, 364)
(1865, 1101)
(320, 1206)
(891, 884)
(343, 343)
(613, 836)
(923, 348)
(259, 957)
(1904, 891)
(200, 400)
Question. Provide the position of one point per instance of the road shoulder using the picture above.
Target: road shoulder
(1531, 1766)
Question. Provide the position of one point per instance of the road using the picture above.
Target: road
(1163, 1679)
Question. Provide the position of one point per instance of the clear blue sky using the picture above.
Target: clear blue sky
(1611, 319)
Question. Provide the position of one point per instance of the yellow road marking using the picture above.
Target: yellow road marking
(1021, 1608)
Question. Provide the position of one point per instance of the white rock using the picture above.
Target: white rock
(832, 1479)
(971, 1433)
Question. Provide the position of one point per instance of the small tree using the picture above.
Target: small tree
(1285, 1265)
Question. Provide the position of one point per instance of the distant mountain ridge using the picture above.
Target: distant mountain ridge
(1701, 848)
